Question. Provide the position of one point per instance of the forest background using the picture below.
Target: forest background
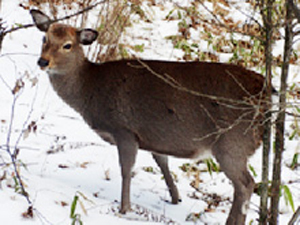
(55, 170)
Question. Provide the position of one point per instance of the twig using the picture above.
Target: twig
(292, 114)
(11, 122)
(221, 131)
(295, 217)
(238, 83)
(13, 154)
(26, 121)
(5, 83)
(173, 83)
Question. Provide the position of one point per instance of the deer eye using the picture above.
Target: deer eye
(67, 46)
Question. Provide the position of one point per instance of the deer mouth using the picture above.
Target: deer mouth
(45, 66)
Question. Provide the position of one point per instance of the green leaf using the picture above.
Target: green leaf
(294, 161)
(179, 14)
(73, 207)
(211, 166)
(195, 45)
(76, 220)
(288, 196)
(19, 24)
(208, 164)
(148, 169)
(291, 137)
(139, 48)
(251, 168)
(169, 14)
(295, 54)
(17, 184)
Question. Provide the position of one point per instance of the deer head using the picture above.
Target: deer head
(61, 44)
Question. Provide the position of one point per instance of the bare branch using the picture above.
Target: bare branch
(173, 83)
(12, 153)
(295, 217)
(292, 114)
(221, 131)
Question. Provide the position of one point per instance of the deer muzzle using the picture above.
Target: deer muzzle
(43, 62)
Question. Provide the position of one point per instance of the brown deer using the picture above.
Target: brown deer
(182, 109)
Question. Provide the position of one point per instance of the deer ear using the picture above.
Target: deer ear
(87, 36)
(41, 20)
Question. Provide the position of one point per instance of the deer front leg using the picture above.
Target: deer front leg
(127, 147)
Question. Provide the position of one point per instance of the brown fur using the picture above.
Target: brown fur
(168, 108)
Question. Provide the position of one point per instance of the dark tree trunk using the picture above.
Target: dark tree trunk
(266, 11)
(279, 136)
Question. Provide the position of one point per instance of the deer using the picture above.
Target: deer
(169, 108)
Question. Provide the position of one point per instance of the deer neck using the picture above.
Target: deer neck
(69, 85)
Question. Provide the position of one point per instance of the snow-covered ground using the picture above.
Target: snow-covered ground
(63, 158)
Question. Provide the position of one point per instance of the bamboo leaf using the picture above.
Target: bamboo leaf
(294, 161)
(288, 196)
(73, 207)
(211, 166)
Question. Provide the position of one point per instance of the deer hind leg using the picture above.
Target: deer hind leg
(234, 164)
(162, 162)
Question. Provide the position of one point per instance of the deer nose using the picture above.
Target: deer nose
(43, 62)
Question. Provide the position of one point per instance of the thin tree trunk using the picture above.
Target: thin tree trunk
(279, 136)
(266, 11)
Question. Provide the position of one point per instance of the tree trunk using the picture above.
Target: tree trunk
(266, 11)
(279, 136)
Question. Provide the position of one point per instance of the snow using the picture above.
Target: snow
(64, 157)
